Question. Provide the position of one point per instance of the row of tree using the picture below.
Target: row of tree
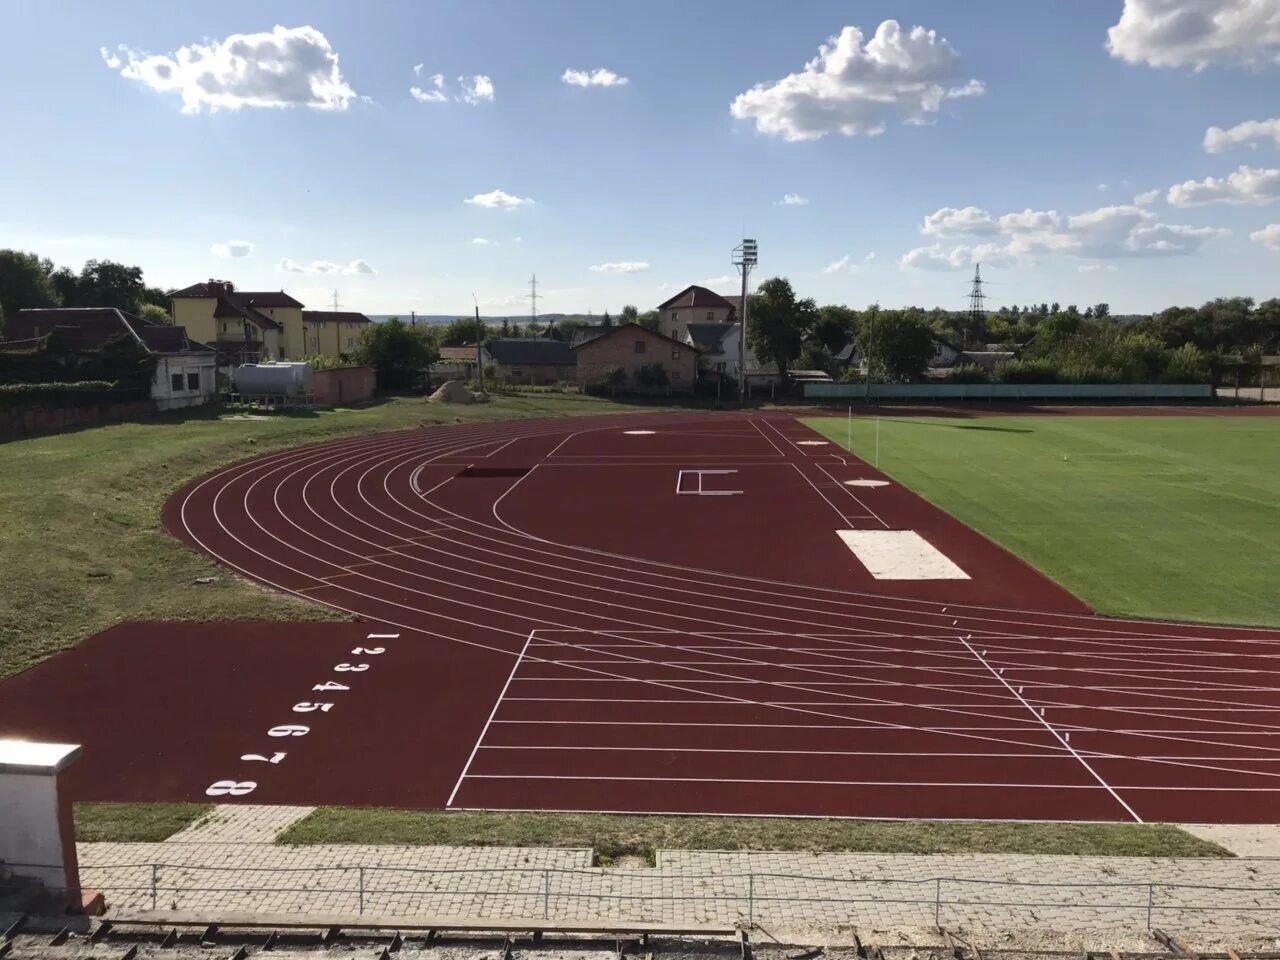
(28, 280)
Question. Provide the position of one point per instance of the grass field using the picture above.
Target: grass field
(134, 822)
(81, 547)
(612, 836)
(1162, 517)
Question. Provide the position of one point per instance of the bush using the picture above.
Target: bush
(652, 375)
(56, 394)
(1186, 365)
(1025, 371)
(328, 362)
(968, 373)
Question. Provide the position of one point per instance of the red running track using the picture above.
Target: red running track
(561, 629)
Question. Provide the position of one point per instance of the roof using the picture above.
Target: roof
(233, 302)
(530, 351)
(228, 307)
(695, 296)
(88, 328)
(268, 298)
(708, 336)
(466, 353)
(630, 329)
(341, 316)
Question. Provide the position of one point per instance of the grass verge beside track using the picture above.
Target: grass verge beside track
(614, 836)
(81, 547)
(1161, 517)
(134, 822)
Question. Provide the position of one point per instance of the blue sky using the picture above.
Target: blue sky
(340, 178)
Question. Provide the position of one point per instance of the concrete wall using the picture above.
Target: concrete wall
(37, 833)
(17, 422)
(596, 357)
(344, 385)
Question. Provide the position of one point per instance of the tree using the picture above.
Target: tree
(398, 352)
(461, 332)
(25, 282)
(1102, 309)
(149, 311)
(505, 329)
(516, 331)
(628, 314)
(897, 343)
(105, 283)
(566, 326)
(834, 327)
(649, 319)
(606, 320)
(778, 323)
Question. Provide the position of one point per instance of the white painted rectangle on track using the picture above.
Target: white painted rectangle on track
(900, 555)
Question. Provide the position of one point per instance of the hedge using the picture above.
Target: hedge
(80, 393)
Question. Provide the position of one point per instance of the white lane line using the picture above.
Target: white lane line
(1085, 763)
(462, 776)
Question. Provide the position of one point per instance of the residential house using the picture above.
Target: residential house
(630, 348)
(533, 360)
(217, 314)
(458, 363)
(693, 304)
(186, 370)
(331, 332)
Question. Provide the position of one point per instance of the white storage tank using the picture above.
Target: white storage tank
(273, 380)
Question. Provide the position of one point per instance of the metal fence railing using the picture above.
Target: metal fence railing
(656, 896)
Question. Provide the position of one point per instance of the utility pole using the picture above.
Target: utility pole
(977, 304)
(871, 337)
(413, 318)
(533, 299)
(744, 257)
(479, 346)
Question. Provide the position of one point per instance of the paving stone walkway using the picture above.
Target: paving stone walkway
(241, 823)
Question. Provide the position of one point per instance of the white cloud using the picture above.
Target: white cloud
(1097, 268)
(950, 222)
(498, 200)
(232, 248)
(792, 200)
(1110, 232)
(626, 266)
(288, 67)
(854, 89)
(480, 241)
(716, 281)
(1216, 140)
(1196, 33)
(869, 257)
(1246, 185)
(839, 266)
(1146, 199)
(1268, 236)
(435, 94)
(475, 89)
(1103, 188)
(939, 257)
(599, 77)
(324, 266)
(417, 69)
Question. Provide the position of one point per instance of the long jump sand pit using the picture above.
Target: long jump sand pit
(900, 555)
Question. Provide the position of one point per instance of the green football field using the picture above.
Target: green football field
(1164, 517)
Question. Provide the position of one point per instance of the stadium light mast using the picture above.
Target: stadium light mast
(745, 256)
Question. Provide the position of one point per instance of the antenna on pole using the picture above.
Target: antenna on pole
(977, 318)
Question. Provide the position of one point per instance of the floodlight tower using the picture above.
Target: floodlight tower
(745, 256)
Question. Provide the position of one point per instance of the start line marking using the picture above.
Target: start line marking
(866, 483)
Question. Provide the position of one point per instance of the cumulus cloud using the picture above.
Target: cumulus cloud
(851, 88)
(471, 90)
(839, 266)
(1097, 268)
(475, 89)
(950, 222)
(1111, 232)
(480, 241)
(1146, 199)
(232, 248)
(1196, 33)
(1217, 140)
(626, 266)
(498, 200)
(433, 94)
(1252, 185)
(324, 266)
(599, 77)
(288, 67)
(1268, 236)
(792, 200)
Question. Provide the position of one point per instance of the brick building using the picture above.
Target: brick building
(629, 348)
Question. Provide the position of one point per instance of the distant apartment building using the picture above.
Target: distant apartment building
(693, 304)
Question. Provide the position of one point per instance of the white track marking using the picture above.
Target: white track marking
(1097, 776)
(480, 739)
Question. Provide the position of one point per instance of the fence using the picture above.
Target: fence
(654, 896)
(1010, 391)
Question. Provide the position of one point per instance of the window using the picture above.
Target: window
(193, 381)
(675, 353)
(675, 315)
(711, 316)
(675, 375)
(175, 382)
(639, 346)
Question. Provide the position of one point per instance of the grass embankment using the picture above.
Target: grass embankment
(612, 836)
(1163, 517)
(81, 547)
(134, 822)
